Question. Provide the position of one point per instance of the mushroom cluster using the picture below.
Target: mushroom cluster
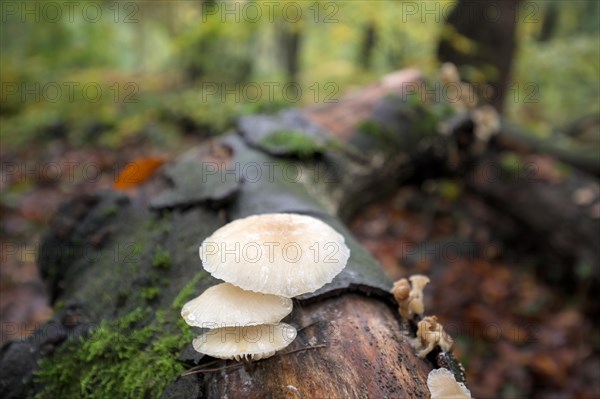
(443, 385)
(264, 260)
(410, 296)
(431, 333)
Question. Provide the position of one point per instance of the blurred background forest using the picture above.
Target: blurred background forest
(137, 70)
(103, 83)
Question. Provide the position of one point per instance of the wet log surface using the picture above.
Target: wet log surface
(348, 346)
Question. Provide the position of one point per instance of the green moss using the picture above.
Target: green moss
(58, 306)
(161, 225)
(449, 190)
(426, 116)
(162, 258)
(292, 143)
(150, 293)
(511, 163)
(138, 249)
(187, 292)
(110, 210)
(380, 134)
(417, 119)
(134, 356)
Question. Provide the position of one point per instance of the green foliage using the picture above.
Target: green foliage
(126, 358)
(555, 82)
(293, 143)
(231, 48)
(153, 73)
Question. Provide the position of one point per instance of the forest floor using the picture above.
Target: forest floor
(516, 336)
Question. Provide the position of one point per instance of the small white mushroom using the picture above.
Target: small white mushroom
(226, 305)
(449, 73)
(487, 122)
(418, 282)
(401, 291)
(410, 296)
(466, 97)
(279, 254)
(430, 333)
(245, 343)
(443, 385)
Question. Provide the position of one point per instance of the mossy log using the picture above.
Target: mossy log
(120, 267)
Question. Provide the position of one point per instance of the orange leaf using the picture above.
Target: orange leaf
(136, 172)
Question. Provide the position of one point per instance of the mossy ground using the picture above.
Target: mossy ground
(134, 356)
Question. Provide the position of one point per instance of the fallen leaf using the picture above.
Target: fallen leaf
(136, 172)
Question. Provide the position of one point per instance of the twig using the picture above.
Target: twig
(195, 370)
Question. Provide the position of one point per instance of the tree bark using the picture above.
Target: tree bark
(364, 356)
(481, 35)
(290, 44)
(369, 40)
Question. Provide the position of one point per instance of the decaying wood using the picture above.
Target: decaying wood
(341, 118)
(365, 355)
(528, 195)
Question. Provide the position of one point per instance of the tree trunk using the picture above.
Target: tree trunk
(367, 46)
(481, 35)
(290, 43)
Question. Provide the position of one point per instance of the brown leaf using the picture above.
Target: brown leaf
(136, 172)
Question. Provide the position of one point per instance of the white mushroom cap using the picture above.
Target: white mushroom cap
(250, 342)
(443, 385)
(280, 254)
(225, 305)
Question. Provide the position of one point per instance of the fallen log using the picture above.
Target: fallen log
(120, 267)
